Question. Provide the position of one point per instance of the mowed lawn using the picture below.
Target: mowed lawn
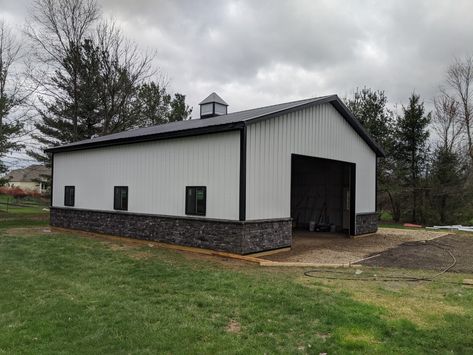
(22, 212)
(64, 292)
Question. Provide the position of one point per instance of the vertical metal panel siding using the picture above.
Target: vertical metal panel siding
(156, 173)
(318, 131)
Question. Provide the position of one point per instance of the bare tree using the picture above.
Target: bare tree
(124, 67)
(460, 80)
(56, 28)
(446, 121)
(63, 33)
(11, 94)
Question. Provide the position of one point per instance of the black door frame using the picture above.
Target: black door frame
(352, 186)
(352, 198)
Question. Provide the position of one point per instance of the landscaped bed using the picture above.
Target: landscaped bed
(63, 292)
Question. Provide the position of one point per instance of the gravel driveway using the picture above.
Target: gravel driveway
(330, 248)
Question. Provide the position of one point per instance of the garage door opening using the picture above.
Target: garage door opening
(322, 194)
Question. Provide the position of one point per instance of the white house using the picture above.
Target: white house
(33, 178)
(238, 182)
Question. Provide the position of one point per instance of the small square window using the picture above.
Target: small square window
(120, 198)
(196, 200)
(69, 195)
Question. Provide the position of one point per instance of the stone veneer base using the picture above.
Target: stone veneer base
(224, 235)
(366, 223)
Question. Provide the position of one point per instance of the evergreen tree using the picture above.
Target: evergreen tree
(370, 109)
(74, 114)
(116, 92)
(179, 111)
(153, 106)
(10, 98)
(96, 95)
(8, 130)
(447, 180)
(411, 148)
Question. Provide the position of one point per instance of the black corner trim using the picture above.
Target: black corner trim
(242, 202)
(376, 186)
(352, 199)
(51, 180)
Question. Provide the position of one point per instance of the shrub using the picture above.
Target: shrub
(15, 192)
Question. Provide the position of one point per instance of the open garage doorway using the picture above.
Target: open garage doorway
(322, 195)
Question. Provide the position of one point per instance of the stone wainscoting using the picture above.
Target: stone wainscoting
(366, 223)
(224, 235)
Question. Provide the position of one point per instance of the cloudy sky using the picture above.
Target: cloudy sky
(261, 52)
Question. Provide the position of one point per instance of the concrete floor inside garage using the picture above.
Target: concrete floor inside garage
(320, 194)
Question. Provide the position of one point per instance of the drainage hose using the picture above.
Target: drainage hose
(371, 276)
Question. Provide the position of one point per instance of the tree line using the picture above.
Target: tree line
(426, 176)
(80, 78)
(76, 76)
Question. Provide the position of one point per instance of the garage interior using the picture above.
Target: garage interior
(322, 195)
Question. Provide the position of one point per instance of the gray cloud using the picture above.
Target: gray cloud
(262, 52)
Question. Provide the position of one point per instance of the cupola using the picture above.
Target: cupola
(212, 106)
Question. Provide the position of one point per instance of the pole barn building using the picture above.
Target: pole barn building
(238, 182)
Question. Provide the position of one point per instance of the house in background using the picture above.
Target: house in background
(34, 178)
(237, 182)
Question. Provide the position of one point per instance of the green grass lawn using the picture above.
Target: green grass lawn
(65, 293)
(32, 212)
(27, 205)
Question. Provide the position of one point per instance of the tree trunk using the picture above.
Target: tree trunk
(443, 204)
(396, 212)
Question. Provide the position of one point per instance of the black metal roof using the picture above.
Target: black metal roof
(231, 121)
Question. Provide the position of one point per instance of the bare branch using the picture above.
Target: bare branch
(446, 121)
(460, 81)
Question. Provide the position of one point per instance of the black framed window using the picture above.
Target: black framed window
(69, 195)
(196, 200)
(120, 198)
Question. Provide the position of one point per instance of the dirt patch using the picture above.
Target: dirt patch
(27, 231)
(141, 255)
(328, 248)
(233, 326)
(129, 246)
(429, 254)
(323, 336)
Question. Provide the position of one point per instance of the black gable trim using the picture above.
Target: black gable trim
(342, 109)
(333, 99)
(356, 125)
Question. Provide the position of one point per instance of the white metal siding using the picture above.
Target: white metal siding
(318, 131)
(156, 174)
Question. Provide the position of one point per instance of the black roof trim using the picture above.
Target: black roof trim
(338, 104)
(149, 138)
(231, 121)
